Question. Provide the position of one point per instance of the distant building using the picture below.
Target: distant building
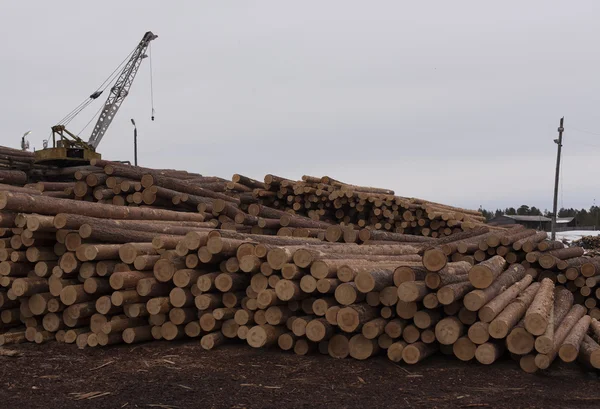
(533, 222)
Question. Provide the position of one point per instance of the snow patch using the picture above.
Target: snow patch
(573, 235)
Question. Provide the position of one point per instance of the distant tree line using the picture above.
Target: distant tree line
(584, 217)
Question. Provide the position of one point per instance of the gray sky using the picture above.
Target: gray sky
(456, 102)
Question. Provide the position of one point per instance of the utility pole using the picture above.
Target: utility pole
(559, 143)
(134, 142)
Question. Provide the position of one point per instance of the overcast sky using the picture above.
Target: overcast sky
(452, 101)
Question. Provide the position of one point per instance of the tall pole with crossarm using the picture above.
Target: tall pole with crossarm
(554, 208)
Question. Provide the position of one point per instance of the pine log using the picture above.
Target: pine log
(576, 313)
(408, 273)
(537, 316)
(24, 203)
(510, 239)
(13, 177)
(264, 335)
(448, 330)
(512, 314)
(483, 274)
(591, 268)
(476, 299)
(418, 351)
(375, 279)
(127, 279)
(520, 341)
(353, 317)
(361, 347)
(347, 294)
(394, 351)
(411, 291)
(478, 333)
(488, 353)
(569, 349)
(464, 349)
(453, 292)
(450, 274)
(368, 234)
(496, 239)
(434, 259)
(527, 244)
(491, 310)
(589, 352)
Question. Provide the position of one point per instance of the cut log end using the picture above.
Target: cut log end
(434, 260)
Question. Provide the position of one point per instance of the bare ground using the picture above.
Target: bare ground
(183, 375)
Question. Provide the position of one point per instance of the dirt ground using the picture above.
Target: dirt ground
(183, 375)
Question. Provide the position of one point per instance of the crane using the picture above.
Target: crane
(67, 147)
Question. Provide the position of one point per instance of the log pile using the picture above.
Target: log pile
(590, 243)
(314, 207)
(96, 274)
(14, 159)
(324, 199)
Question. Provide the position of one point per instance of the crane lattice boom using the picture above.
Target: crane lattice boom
(120, 90)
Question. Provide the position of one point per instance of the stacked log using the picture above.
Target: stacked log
(348, 208)
(96, 274)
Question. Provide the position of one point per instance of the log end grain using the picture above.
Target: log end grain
(434, 259)
(464, 349)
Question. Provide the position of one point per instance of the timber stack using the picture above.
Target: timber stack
(328, 200)
(97, 274)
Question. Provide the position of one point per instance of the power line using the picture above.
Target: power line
(584, 131)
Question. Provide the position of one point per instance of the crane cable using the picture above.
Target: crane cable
(151, 81)
(90, 121)
(100, 89)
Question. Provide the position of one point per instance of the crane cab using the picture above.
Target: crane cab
(66, 150)
(64, 157)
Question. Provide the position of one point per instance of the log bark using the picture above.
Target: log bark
(495, 239)
(13, 177)
(353, 317)
(488, 312)
(411, 291)
(476, 299)
(418, 351)
(25, 203)
(369, 234)
(451, 273)
(127, 279)
(589, 353)
(577, 312)
(569, 349)
(453, 292)
(595, 329)
(528, 244)
(374, 280)
(264, 335)
(512, 314)
(483, 274)
(537, 316)
(408, 273)
(510, 239)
